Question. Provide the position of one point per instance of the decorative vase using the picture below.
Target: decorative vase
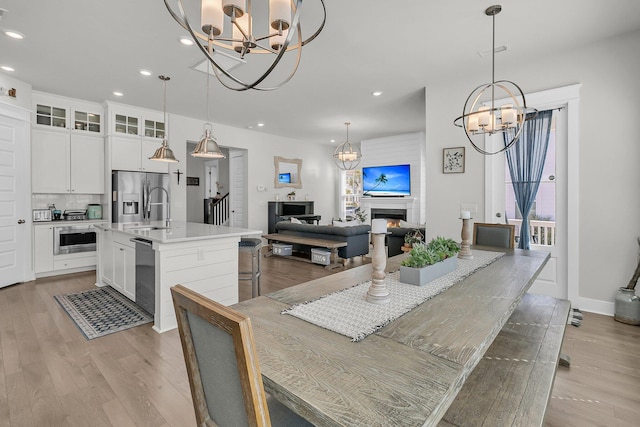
(627, 306)
(421, 276)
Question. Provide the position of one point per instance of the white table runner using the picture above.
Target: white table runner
(348, 313)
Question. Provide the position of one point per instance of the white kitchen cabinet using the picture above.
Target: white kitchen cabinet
(105, 253)
(42, 248)
(135, 134)
(124, 266)
(62, 162)
(132, 154)
(59, 112)
(45, 263)
(72, 261)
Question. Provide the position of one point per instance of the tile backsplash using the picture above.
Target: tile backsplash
(64, 201)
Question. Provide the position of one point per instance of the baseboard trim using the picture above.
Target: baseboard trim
(595, 306)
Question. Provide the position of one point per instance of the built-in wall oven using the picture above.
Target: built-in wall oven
(69, 239)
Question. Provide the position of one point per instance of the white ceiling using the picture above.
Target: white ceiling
(87, 49)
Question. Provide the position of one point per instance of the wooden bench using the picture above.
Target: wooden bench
(511, 386)
(314, 243)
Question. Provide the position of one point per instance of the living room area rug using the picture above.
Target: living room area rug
(102, 311)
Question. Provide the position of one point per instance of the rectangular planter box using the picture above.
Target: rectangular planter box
(421, 276)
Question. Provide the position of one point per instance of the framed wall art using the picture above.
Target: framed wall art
(453, 160)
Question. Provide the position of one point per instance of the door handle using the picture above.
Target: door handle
(498, 215)
(21, 221)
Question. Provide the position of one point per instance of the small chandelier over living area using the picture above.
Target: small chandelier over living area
(247, 32)
(347, 156)
(481, 114)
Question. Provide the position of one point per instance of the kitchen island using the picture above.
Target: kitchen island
(201, 257)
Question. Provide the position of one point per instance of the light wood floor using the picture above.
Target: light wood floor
(51, 376)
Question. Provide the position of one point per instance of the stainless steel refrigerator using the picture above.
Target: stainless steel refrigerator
(139, 196)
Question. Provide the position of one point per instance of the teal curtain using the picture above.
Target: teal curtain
(526, 162)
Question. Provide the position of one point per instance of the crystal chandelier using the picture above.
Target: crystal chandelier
(279, 30)
(482, 116)
(347, 156)
(164, 153)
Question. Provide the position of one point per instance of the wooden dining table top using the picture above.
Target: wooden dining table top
(405, 374)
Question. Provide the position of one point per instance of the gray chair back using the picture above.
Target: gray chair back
(222, 364)
(497, 235)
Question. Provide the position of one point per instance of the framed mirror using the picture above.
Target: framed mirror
(288, 172)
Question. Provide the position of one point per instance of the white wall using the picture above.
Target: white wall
(195, 194)
(399, 150)
(23, 92)
(609, 195)
(319, 173)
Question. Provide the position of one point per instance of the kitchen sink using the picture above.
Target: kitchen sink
(145, 228)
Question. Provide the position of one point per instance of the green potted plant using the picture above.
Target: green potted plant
(427, 262)
(413, 238)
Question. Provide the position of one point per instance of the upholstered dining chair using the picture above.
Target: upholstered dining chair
(222, 365)
(498, 235)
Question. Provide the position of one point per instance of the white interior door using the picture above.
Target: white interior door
(211, 173)
(15, 182)
(549, 224)
(238, 188)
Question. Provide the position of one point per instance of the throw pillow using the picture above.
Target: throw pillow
(295, 221)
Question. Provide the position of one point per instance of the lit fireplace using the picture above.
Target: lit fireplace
(393, 216)
(393, 222)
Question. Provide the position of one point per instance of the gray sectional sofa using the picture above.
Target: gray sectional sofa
(357, 237)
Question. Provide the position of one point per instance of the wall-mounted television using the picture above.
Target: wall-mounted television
(284, 178)
(387, 181)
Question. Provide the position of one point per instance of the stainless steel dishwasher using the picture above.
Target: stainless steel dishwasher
(145, 275)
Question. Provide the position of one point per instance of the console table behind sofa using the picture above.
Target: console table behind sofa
(357, 237)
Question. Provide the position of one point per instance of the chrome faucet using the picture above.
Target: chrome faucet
(167, 220)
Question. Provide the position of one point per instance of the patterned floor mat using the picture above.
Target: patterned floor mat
(102, 311)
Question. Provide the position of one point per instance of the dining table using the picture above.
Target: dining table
(406, 373)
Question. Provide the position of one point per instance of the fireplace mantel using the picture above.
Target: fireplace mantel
(408, 203)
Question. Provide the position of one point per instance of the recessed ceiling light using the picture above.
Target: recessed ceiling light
(145, 72)
(260, 125)
(186, 41)
(14, 34)
(7, 68)
(376, 93)
(250, 127)
(116, 93)
(332, 141)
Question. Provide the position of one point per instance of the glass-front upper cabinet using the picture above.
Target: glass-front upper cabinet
(153, 129)
(89, 122)
(127, 124)
(60, 112)
(49, 115)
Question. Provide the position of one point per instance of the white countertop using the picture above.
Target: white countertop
(65, 223)
(179, 231)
